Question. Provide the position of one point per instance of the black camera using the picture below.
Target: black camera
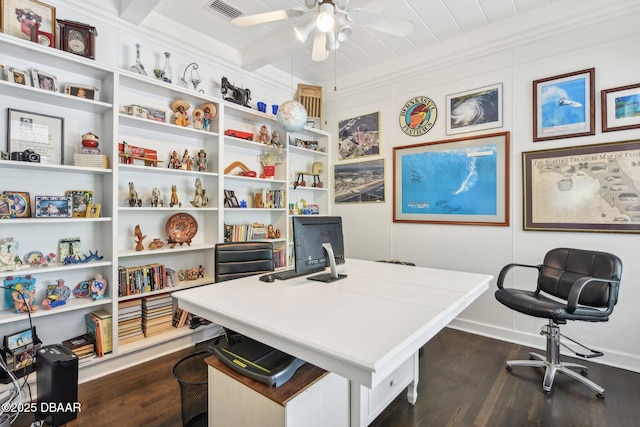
(26, 156)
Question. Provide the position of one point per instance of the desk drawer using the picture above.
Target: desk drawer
(382, 394)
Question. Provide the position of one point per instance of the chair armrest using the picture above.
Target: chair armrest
(578, 286)
(506, 268)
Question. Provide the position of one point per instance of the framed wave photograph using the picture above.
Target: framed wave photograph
(620, 108)
(564, 106)
(475, 110)
(458, 181)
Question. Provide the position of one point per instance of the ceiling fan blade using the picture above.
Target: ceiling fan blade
(320, 52)
(386, 24)
(262, 18)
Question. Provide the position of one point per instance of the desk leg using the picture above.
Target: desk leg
(359, 408)
(412, 389)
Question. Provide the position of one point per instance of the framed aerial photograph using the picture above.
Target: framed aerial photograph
(21, 203)
(620, 108)
(40, 133)
(88, 92)
(26, 18)
(359, 182)
(585, 188)
(359, 136)
(564, 106)
(458, 181)
(53, 207)
(44, 80)
(475, 110)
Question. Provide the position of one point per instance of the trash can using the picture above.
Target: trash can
(191, 373)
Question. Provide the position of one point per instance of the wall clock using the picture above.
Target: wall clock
(418, 115)
(77, 38)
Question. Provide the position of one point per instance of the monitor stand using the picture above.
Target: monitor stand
(333, 275)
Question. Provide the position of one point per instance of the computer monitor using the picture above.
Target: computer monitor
(318, 243)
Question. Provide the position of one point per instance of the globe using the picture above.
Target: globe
(292, 116)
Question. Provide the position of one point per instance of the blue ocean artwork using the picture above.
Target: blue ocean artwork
(452, 182)
(563, 104)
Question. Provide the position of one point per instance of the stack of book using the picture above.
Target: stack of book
(180, 318)
(100, 327)
(90, 160)
(157, 314)
(130, 321)
(82, 346)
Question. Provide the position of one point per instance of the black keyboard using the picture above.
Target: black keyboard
(290, 274)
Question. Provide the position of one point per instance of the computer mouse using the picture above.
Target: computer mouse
(267, 278)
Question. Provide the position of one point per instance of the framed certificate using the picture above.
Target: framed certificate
(40, 133)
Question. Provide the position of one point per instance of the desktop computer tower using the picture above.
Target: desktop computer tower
(57, 381)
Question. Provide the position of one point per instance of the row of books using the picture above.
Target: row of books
(137, 280)
(279, 258)
(244, 233)
(83, 346)
(273, 199)
(157, 314)
(130, 321)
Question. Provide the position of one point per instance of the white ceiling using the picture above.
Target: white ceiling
(274, 43)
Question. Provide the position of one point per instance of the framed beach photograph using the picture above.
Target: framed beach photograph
(359, 136)
(18, 76)
(620, 108)
(44, 80)
(93, 210)
(359, 182)
(26, 18)
(585, 188)
(458, 181)
(41, 133)
(564, 106)
(53, 207)
(21, 203)
(80, 201)
(88, 92)
(475, 110)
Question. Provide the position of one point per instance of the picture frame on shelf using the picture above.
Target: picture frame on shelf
(350, 190)
(93, 210)
(620, 108)
(564, 106)
(41, 133)
(81, 91)
(69, 247)
(80, 201)
(45, 81)
(474, 110)
(18, 76)
(26, 284)
(21, 203)
(582, 188)
(23, 18)
(438, 183)
(7, 211)
(359, 136)
(53, 207)
(230, 200)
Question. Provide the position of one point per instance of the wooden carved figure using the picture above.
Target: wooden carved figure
(174, 196)
(133, 195)
(139, 237)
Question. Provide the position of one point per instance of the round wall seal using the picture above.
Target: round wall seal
(418, 116)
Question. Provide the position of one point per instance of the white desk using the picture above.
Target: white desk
(364, 327)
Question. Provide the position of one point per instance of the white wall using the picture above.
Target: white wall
(604, 37)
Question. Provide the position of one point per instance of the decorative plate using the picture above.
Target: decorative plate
(181, 228)
(418, 116)
(82, 289)
(33, 258)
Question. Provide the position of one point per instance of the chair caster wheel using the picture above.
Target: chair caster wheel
(600, 396)
(509, 368)
(584, 372)
(546, 392)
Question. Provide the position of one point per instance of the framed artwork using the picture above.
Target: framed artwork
(585, 188)
(230, 200)
(475, 110)
(93, 210)
(53, 207)
(26, 287)
(28, 19)
(564, 106)
(44, 80)
(359, 182)
(620, 108)
(80, 201)
(7, 210)
(40, 133)
(18, 76)
(88, 92)
(418, 115)
(458, 181)
(21, 203)
(359, 136)
(69, 247)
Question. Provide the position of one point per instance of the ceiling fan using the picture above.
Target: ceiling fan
(332, 23)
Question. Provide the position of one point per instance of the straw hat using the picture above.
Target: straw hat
(212, 109)
(178, 102)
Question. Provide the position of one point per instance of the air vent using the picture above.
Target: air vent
(225, 9)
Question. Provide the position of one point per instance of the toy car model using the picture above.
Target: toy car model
(239, 134)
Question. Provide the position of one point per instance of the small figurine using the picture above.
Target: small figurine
(23, 301)
(139, 237)
(200, 197)
(202, 160)
(155, 197)
(180, 107)
(98, 287)
(209, 114)
(186, 161)
(133, 195)
(264, 137)
(277, 233)
(56, 295)
(174, 161)
(156, 244)
(271, 234)
(90, 143)
(198, 119)
(200, 272)
(275, 139)
(174, 196)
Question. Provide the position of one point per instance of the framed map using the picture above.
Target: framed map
(459, 181)
(586, 188)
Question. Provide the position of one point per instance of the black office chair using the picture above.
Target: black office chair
(240, 259)
(581, 285)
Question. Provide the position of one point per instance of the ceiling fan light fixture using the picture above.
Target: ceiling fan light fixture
(303, 31)
(332, 42)
(325, 20)
(344, 32)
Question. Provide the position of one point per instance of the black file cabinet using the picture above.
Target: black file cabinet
(57, 379)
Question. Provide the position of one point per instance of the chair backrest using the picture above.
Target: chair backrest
(239, 259)
(563, 266)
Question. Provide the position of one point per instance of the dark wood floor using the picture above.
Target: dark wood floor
(463, 382)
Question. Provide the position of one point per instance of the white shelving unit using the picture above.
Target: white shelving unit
(112, 234)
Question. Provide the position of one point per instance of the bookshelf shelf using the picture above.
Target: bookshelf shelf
(73, 304)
